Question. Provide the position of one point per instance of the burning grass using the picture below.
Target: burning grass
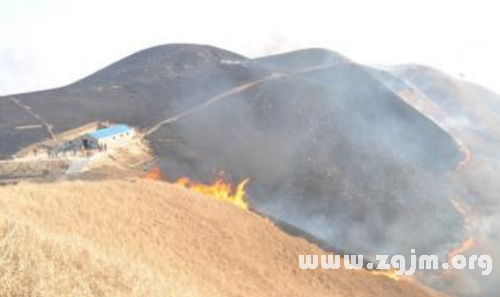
(220, 189)
(470, 241)
(391, 274)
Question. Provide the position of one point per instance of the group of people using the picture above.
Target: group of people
(70, 149)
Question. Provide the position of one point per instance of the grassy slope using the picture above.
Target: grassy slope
(146, 238)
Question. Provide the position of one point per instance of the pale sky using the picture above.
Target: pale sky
(50, 43)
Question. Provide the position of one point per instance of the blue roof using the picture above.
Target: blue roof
(110, 131)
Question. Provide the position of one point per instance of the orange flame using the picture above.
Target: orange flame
(463, 248)
(220, 189)
(155, 174)
(387, 273)
(469, 242)
(466, 159)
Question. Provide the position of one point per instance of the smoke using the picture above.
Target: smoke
(471, 116)
(335, 153)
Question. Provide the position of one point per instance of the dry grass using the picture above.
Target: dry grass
(146, 238)
(35, 263)
(20, 168)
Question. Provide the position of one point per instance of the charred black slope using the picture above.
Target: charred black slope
(139, 90)
(329, 148)
(472, 114)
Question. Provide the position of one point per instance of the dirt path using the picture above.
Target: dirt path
(36, 116)
(226, 94)
(211, 101)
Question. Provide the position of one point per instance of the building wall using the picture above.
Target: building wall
(112, 141)
(117, 140)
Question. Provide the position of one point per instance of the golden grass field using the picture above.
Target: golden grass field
(149, 238)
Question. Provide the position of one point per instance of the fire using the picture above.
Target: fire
(464, 247)
(469, 242)
(461, 208)
(155, 173)
(220, 188)
(466, 159)
(387, 273)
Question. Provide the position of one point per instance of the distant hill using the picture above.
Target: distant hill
(301, 59)
(467, 111)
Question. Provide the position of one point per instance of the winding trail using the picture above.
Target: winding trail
(36, 116)
(228, 93)
(211, 101)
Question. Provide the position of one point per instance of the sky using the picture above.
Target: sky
(51, 43)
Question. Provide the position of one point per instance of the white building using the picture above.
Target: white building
(114, 136)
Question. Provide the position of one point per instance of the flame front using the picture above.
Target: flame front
(462, 209)
(389, 273)
(462, 249)
(220, 189)
(155, 173)
(469, 242)
(466, 159)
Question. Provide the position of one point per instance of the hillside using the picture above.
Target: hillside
(139, 90)
(146, 238)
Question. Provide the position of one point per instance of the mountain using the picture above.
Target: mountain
(369, 160)
(332, 146)
(139, 90)
(466, 111)
(471, 114)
